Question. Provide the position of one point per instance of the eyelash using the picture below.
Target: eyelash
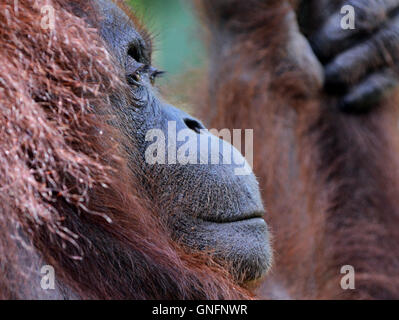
(155, 75)
(135, 78)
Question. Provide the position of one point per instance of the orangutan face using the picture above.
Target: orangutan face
(208, 205)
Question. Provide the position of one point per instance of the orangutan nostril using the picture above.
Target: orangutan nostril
(194, 125)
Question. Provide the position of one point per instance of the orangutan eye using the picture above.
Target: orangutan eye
(136, 77)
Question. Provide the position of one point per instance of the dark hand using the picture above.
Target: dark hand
(361, 64)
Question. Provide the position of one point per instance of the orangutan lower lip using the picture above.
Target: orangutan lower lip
(238, 218)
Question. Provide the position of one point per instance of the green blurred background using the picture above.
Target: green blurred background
(175, 28)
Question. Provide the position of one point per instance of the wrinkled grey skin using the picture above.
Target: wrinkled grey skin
(207, 206)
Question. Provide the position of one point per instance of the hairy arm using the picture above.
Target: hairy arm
(328, 177)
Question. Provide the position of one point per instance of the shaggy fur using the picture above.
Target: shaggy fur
(67, 197)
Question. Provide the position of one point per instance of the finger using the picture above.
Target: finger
(369, 93)
(313, 13)
(351, 66)
(369, 14)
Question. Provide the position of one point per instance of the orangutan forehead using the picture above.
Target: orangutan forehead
(138, 24)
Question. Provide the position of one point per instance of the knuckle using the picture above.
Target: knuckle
(369, 13)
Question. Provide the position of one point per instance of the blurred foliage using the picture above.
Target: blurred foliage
(174, 26)
(178, 47)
